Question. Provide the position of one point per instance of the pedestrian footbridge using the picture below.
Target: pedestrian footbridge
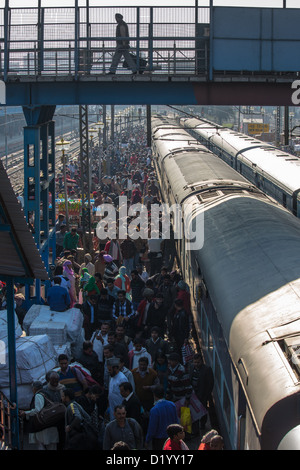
(194, 55)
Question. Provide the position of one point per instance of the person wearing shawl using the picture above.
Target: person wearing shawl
(69, 273)
(90, 288)
(123, 282)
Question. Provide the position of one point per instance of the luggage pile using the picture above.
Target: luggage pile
(63, 328)
(46, 335)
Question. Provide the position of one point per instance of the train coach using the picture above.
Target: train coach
(274, 171)
(245, 287)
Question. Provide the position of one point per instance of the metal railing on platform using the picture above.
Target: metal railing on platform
(169, 61)
(6, 423)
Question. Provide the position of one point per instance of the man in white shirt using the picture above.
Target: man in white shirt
(116, 378)
(100, 339)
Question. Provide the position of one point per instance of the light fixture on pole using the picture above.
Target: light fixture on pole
(108, 149)
(291, 114)
(64, 146)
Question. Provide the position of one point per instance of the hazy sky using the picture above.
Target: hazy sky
(171, 3)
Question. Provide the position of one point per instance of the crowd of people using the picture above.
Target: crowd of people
(140, 382)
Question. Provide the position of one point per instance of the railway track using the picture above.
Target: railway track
(15, 163)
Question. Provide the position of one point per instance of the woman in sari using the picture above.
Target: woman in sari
(69, 273)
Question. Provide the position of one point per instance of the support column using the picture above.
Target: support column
(12, 361)
(32, 193)
(51, 190)
(39, 177)
(148, 111)
(286, 126)
(85, 177)
(278, 126)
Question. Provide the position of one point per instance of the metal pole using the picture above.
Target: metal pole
(150, 41)
(110, 153)
(88, 41)
(85, 176)
(5, 137)
(286, 125)
(66, 190)
(12, 360)
(40, 51)
(138, 37)
(148, 125)
(211, 33)
(105, 128)
(6, 38)
(196, 42)
(76, 34)
(278, 122)
(112, 124)
(100, 159)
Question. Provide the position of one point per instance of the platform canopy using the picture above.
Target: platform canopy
(19, 255)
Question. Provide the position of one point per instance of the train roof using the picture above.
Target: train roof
(208, 128)
(190, 166)
(250, 262)
(281, 166)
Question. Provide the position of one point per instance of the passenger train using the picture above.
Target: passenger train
(245, 288)
(274, 171)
